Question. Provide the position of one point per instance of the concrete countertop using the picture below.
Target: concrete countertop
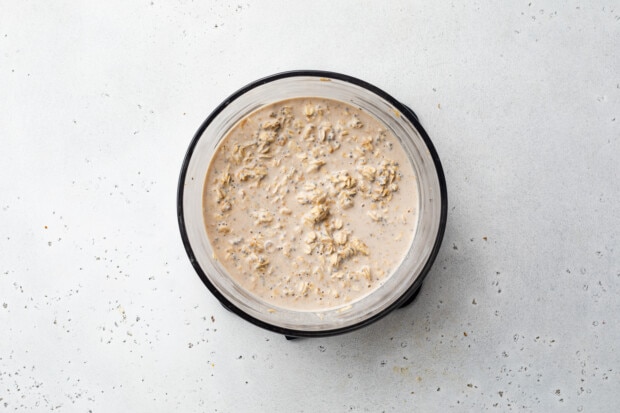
(101, 311)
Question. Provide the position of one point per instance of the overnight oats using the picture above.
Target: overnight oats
(310, 203)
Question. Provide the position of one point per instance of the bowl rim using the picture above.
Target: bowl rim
(405, 111)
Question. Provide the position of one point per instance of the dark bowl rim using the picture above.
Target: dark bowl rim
(404, 110)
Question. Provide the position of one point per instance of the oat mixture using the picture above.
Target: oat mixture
(310, 203)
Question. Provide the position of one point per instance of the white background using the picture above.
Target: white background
(101, 311)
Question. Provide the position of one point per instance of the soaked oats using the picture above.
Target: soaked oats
(310, 203)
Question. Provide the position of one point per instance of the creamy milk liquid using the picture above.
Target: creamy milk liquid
(310, 203)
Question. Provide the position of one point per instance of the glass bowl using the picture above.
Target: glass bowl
(397, 289)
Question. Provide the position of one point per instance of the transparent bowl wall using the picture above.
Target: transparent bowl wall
(380, 300)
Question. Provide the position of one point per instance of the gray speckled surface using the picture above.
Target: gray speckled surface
(101, 311)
